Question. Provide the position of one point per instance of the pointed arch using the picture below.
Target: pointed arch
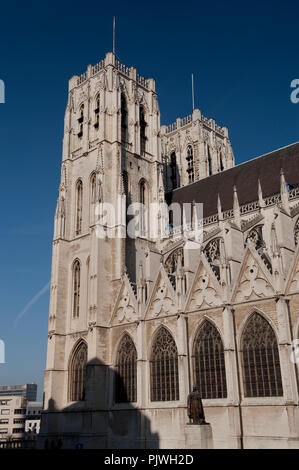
(76, 274)
(80, 121)
(79, 201)
(208, 362)
(77, 372)
(143, 124)
(97, 111)
(164, 367)
(126, 371)
(212, 251)
(260, 359)
(124, 118)
(210, 169)
(144, 201)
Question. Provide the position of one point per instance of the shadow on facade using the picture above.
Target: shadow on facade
(97, 422)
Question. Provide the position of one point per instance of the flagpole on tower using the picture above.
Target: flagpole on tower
(113, 34)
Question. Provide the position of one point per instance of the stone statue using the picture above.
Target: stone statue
(194, 407)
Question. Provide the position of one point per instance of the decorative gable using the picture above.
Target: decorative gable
(253, 281)
(292, 284)
(163, 299)
(205, 291)
(126, 308)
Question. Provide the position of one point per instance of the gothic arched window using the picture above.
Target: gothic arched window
(172, 260)
(210, 162)
(97, 112)
(93, 188)
(143, 198)
(126, 371)
(164, 368)
(173, 171)
(296, 232)
(260, 359)
(212, 252)
(77, 373)
(80, 121)
(190, 164)
(256, 236)
(76, 288)
(208, 362)
(221, 167)
(124, 119)
(79, 195)
(143, 125)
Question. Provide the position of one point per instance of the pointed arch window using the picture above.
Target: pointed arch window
(97, 112)
(190, 164)
(143, 125)
(208, 362)
(164, 368)
(212, 252)
(126, 371)
(76, 288)
(221, 167)
(124, 119)
(80, 121)
(260, 359)
(143, 198)
(210, 169)
(79, 195)
(173, 171)
(77, 371)
(296, 232)
(93, 188)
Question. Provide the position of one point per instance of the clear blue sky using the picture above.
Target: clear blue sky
(243, 56)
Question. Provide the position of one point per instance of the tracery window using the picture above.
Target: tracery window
(142, 130)
(212, 252)
(76, 288)
(79, 195)
(77, 371)
(171, 265)
(126, 371)
(97, 112)
(256, 236)
(80, 121)
(208, 362)
(260, 359)
(164, 368)
(296, 232)
(190, 164)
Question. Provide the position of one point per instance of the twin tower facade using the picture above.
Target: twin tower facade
(135, 322)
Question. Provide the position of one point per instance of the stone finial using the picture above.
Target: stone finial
(260, 194)
(236, 208)
(219, 208)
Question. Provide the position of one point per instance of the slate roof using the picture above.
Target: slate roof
(245, 177)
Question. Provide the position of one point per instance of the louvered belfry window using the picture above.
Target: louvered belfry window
(164, 368)
(78, 373)
(126, 372)
(208, 363)
(260, 358)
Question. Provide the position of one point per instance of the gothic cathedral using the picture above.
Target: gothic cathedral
(136, 322)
